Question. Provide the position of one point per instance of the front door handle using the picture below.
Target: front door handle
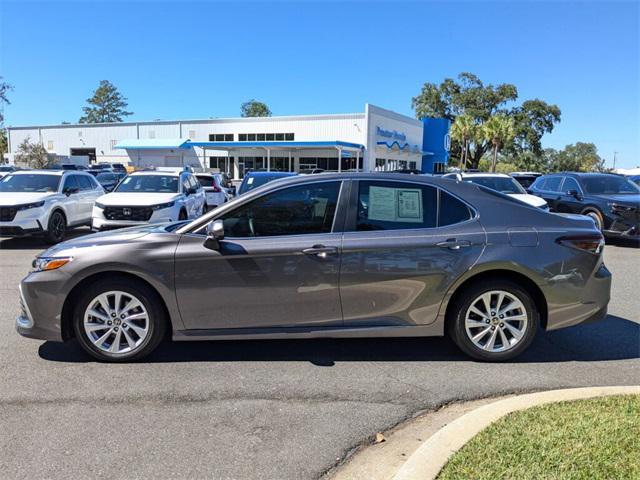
(453, 244)
(320, 251)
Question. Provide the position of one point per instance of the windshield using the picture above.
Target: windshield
(257, 181)
(500, 184)
(608, 184)
(149, 184)
(30, 183)
(106, 177)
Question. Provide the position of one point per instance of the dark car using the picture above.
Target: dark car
(612, 201)
(525, 179)
(109, 180)
(257, 179)
(635, 179)
(333, 255)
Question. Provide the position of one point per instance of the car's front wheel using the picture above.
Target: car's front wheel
(493, 320)
(118, 320)
(56, 227)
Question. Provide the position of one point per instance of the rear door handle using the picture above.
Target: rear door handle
(453, 244)
(320, 251)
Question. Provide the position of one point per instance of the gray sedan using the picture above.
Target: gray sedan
(335, 255)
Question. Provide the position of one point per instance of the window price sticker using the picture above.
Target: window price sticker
(395, 204)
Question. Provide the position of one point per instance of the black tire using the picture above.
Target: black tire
(205, 208)
(597, 218)
(157, 323)
(182, 215)
(457, 312)
(56, 227)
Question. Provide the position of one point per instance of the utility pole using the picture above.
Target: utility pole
(615, 154)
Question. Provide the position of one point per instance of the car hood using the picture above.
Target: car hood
(530, 199)
(116, 199)
(114, 237)
(631, 199)
(20, 198)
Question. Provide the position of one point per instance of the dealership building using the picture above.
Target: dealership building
(374, 140)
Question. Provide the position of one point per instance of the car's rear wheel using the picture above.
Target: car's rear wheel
(119, 320)
(494, 320)
(56, 227)
(182, 215)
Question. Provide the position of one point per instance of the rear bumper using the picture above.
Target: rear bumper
(593, 306)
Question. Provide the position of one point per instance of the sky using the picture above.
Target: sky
(183, 60)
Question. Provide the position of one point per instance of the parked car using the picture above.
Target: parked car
(635, 179)
(612, 201)
(118, 167)
(334, 255)
(96, 171)
(502, 183)
(311, 171)
(214, 189)
(5, 169)
(256, 179)
(46, 202)
(149, 196)
(109, 180)
(525, 178)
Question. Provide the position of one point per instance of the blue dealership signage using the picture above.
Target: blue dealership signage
(381, 132)
(436, 141)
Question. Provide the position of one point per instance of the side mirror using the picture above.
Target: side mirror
(215, 233)
(70, 190)
(573, 193)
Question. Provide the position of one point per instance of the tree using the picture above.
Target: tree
(498, 131)
(254, 108)
(578, 157)
(32, 155)
(464, 131)
(469, 95)
(4, 89)
(107, 105)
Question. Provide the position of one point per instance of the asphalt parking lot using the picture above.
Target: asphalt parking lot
(268, 409)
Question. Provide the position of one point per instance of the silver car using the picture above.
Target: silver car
(333, 255)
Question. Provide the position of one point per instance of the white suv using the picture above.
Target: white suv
(150, 196)
(46, 202)
(215, 190)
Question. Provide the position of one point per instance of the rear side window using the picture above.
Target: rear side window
(553, 184)
(71, 181)
(84, 182)
(396, 206)
(205, 180)
(452, 210)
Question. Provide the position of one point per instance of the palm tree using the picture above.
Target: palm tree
(464, 131)
(498, 130)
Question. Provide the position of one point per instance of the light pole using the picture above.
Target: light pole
(615, 154)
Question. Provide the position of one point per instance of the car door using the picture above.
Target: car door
(87, 196)
(569, 203)
(401, 253)
(72, 202)
(550, 191)
(278, 265)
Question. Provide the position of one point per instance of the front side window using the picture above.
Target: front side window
(84, 182)
(301, 210)
(395, 206)
(29, 183)
(570, 184)
(148, 184)
(500, 184)
(71, 183)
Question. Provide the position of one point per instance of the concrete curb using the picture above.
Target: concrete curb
(427, 461)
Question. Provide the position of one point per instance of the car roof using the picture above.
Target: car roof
(272, 174)
(484, 174)
(158, 172)
(44, 172)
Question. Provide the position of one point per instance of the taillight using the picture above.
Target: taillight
(589, 243)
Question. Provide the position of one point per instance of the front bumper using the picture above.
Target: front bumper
(25, 222)
(101, 223)
(46, 324)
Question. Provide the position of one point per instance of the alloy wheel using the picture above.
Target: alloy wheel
(116, 322)
(496, 321)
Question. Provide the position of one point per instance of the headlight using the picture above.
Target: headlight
(41, 264)
(98, 205)
(162, 206)
(27, 206)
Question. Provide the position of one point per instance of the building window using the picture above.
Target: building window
(50, 145)
(152, 134)
(380, 162)
(251, 137)
(289, 137)
(279, 137)
(113, 144)
(271, 137)
(192, 134)
(413, 165)
(228, 137)
(242, 137)
(223, 164)
(221, 137)
(261, 137)
(266, 137)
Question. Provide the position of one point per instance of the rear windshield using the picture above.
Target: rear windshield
(149, 184)
(30, 183)
(608, 184)
(499, 184)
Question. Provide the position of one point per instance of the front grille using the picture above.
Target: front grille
(7, 214)
(138, 214)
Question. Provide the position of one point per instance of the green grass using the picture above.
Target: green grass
(586, 439)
